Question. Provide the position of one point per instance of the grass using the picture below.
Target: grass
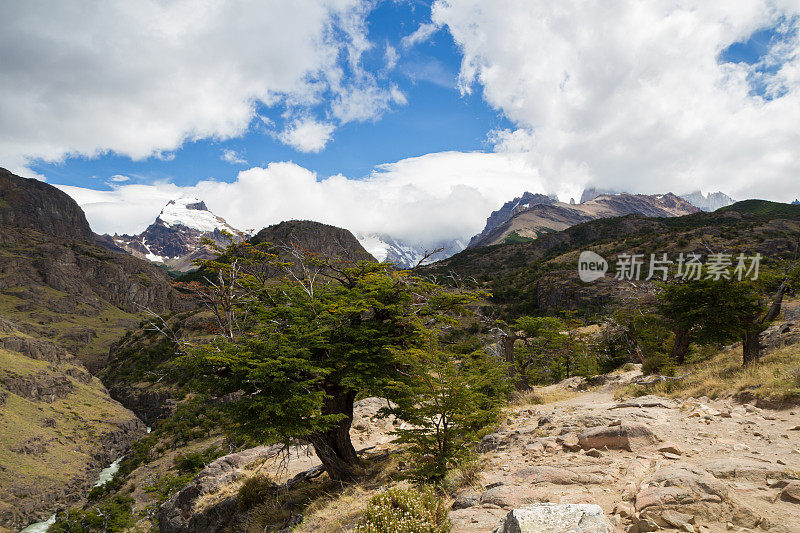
(540, 396)
(775, 380)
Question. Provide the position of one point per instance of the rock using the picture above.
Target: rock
(594, 452)
(791, 492)
(556, 518)
(682, 486)
(179, 514)
(733, 468)
(670, 447)
(468, 498)
(626, 436)
(510, 496)
(676, 519)
(671, 456)
(624, 509)
(571, 443)
(557, 476)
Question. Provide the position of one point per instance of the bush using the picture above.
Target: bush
(254, 491)
(399, 510)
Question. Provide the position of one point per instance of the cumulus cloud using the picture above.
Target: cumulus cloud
(307, 135)
(402, 198)
(232, 157)
(119, 178)
(636, 95)
(140, 78)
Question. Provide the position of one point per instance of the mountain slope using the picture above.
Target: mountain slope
(315, 237)
(33, 204)
(541, 275)
(176, 237)
(58, 428)
(56, 282)
(538, 217)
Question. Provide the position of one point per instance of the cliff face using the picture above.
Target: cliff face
(33, 204)
(57, 283)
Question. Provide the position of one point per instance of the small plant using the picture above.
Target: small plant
(255, 491)
(399, 510)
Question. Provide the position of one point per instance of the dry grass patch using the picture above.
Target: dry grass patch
(774, 380)
(541, 396)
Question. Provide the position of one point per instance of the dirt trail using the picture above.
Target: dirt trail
(708, 466)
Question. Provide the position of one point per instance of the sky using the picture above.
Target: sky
(406, 117)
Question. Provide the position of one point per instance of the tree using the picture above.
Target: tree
(453, 399)
(708, 310)
(312, 341)
(545, 350)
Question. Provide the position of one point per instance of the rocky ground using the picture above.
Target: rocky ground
(651, 463)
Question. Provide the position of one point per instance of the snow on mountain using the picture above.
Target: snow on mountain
(192, 213)
(176, 237)
(405, 254)
(708, 202)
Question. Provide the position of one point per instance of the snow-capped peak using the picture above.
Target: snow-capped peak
(192, 213)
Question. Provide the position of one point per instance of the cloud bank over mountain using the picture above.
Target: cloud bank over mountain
(399, 198)
(640, 96)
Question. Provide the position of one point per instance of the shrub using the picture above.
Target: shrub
(254, 491)
(399, 510)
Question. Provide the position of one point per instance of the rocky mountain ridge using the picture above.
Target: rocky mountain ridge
(527, 219)
(406, 254)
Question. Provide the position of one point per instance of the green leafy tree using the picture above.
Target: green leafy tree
(453, 400)
(313, 335)
(544, 350)
(707, 310)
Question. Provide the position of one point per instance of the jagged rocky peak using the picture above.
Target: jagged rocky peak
(531, 216)
(708, 202)
(176, 237)
(511, 208)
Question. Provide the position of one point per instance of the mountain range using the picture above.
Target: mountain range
(534, 215)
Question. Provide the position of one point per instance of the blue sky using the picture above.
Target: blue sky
(436, 118)
(405, 117)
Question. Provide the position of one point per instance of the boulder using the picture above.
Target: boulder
(791, 492)
(556, 518)
(626, 436)
(466, 499)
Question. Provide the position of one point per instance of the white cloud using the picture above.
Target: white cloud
(307, 135)
(119, 178)
(232, 157)
(140, 78)
(631, 95)
(420, 35)
(391, 57)
(425, 199)
(365, 101)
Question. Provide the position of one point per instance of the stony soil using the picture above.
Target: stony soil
(709, 465)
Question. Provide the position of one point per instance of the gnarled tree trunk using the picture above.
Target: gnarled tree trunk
(680, 347)
(334, 447)
(751, 347)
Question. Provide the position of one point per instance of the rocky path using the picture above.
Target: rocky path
(652, 464)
